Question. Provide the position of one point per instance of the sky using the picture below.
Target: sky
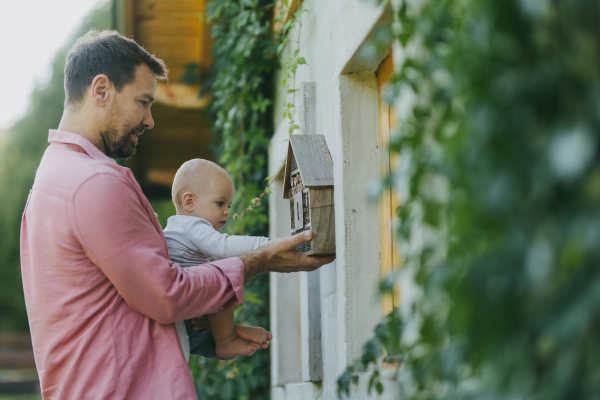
(31, 32)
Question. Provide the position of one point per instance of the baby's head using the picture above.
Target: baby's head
(203, 189)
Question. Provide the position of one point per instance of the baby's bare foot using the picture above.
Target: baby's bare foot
(254, 334)
(235, 348)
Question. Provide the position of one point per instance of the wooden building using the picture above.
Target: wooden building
(320, 320)
(175, 31)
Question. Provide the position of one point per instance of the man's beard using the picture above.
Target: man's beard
(120, 147)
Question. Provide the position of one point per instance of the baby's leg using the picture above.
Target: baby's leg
(228, 343)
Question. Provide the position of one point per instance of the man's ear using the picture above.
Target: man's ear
(188, 200)
(100, 89)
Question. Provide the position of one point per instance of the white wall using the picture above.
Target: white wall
(346, 113)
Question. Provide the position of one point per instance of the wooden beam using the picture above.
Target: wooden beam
(181, 96)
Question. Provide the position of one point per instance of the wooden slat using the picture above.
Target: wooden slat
(180, 40)
(163, 177)
(17, 359)
(322, 221)
(129, 17)
(177, 60)
(145, 2)
(143, 8)
(389, 256)
(182, 13)
(189, 51)
(175, 56)
(175, 31)
(17, 339)
(176, 71)
(147, 29)
(321, 197)
(166, 22)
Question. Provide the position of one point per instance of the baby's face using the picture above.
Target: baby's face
(214, 201)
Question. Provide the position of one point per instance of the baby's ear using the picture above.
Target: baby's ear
(187, 201)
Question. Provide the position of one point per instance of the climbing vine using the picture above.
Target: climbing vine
(287, 84)
(245, 53)
(289, 67)
(498, 140)
(240, 84)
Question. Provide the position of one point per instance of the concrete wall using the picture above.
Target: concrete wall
(331, 38)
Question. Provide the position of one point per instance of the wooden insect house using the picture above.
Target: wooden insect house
(309, 186)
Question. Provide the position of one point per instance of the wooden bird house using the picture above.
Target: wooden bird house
(309, 186)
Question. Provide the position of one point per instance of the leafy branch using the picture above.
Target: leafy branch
(289, 67)
(256, 202)
(240, 85)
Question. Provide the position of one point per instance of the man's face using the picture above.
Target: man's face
(128, 114)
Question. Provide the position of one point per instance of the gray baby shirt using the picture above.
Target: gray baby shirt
(193, 241)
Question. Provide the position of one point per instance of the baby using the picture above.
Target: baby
(203, 192)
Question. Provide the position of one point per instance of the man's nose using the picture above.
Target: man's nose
(227, 211)
(148, 122)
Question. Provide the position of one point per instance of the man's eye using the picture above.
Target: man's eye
(220, 203)
(143, 102)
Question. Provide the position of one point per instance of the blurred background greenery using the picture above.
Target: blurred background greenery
(23, 144)
(21, 148)
(503, 186)
(499, 185)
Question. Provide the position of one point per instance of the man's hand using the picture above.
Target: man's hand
(280, 255)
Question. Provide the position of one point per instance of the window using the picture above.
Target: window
(389, 256)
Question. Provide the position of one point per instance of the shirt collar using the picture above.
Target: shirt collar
(75, 138)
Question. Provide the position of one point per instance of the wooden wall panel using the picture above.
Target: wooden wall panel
(390, 256)
(175, 31)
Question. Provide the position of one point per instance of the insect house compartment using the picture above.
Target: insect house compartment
(308, 185)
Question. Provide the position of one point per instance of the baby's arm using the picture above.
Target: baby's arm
(218, 245)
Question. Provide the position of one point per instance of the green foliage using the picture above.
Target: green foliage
(289, 67)
(240, 83)
(21, 149)
(499, 181)
(287, 83)
(164, 208)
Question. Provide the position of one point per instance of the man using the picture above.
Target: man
(100, 290)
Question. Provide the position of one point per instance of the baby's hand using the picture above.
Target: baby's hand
(253, 334)
(200, 324)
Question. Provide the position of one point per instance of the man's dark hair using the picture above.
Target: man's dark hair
(107, 53)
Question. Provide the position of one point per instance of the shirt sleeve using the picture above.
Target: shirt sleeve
(119, 237)
(216, 245)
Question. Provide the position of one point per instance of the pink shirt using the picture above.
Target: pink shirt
(101, 292)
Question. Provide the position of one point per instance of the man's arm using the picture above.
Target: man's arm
(280, 255)
(119, 237)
